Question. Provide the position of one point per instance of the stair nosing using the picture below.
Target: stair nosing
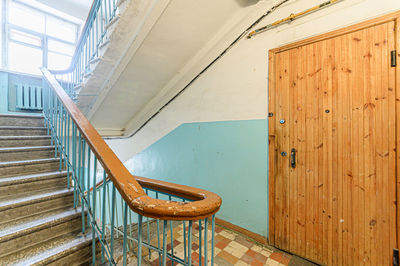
(58, 252)
(23, 127)
(24, 179)
(23, 201)
(22, 116)
(28, 162)
(68, 215)
(26, 148)
(33, 137)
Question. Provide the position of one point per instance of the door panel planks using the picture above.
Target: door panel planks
(335, 99)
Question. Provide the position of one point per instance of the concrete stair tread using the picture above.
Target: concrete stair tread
(33, 197)
(22, 116)
(24, 137)
(34, 224)
(22, 127)
(30, 148)
(34, 161)
(15, 226)
(49, 251)
(14, 180)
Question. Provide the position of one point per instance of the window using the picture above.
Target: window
(37, 38)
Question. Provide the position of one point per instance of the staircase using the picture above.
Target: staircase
(38, 222)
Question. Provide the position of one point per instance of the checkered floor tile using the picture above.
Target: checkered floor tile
(230, 249)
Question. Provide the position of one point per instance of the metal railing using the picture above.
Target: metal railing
(93, 37)
(94, 171)
(155, 236)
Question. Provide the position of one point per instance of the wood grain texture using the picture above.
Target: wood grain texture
(206, 203)
(339, 98)
(397, 126)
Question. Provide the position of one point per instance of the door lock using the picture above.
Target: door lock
(293, 158)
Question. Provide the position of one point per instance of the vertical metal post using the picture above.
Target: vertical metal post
(206, 241)
(125, 233)
(190, 243)
(200, 242)
(164, 255)
(103, 214)
(212, 239)
(112, 221)
(94, 212)
(139, 257)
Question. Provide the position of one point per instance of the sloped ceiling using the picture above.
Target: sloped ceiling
(180, 32)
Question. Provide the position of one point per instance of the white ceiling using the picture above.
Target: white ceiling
(75, 8)
(183, 29)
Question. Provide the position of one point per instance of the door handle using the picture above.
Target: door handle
(293, 158)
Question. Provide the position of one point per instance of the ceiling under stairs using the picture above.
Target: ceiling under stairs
(155, 48)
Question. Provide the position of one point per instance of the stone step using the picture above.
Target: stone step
(21, 120)
(8, 169)
(14, 238)
(14, 186)
(22, 131)
(26, 153)
(24, 141)
(32, 203)
(73, 248)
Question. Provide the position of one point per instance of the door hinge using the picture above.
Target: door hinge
(395, 257)
(270, 114)
(393, 57)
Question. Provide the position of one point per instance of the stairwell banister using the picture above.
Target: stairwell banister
(204, 205)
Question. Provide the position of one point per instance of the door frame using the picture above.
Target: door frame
(272, 148)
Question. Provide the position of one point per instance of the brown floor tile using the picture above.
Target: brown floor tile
(243, 241)
(276, 256)
(228, 257)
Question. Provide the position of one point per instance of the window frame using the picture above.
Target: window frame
(8, 27)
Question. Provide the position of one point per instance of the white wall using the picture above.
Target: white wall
(235, 88)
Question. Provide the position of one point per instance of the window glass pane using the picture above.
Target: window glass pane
(58, 61)
(60, 47)
(24, 59)
(25, 37)
(26, 18)
(60, 29)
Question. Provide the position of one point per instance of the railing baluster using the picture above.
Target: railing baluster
(125, 233)
(190, 242)
(74, 137)
(68, 150)
(82, 183)
(112, 221)
(103, 213)
(212, 239)
(171, 233)
(139, 256)
(88, 182)
(164, 255)
(200, 242)
(205, 241)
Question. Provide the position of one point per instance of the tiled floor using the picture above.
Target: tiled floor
(230, 249)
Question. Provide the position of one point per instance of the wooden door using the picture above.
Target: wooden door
(333, 101)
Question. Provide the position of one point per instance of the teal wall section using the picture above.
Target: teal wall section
(228, 158)
(3, 92)
(8, 83)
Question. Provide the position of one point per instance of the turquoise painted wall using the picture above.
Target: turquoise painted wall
(228, 158)
(3, 92)
(8, 82)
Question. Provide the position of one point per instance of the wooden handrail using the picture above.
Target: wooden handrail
(205, 203)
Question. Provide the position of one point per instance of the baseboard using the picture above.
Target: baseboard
(256, 237)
